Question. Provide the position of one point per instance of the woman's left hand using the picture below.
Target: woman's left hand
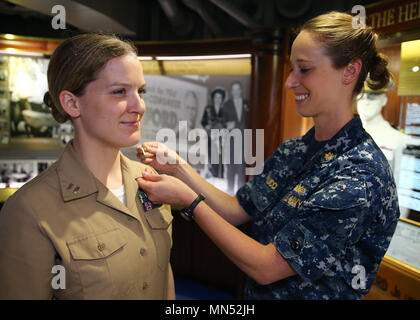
(166, 189)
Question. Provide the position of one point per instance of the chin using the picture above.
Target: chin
(126, 142)
(305, 113)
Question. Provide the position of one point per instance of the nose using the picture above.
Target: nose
(137, 104)
(291, 81)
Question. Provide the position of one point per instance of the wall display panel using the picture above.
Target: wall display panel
(405, 244)
(25, 121)
(398, 23)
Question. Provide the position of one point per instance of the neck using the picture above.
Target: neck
(327, 125)
(102, 160)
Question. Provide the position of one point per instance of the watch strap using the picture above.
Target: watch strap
(188, 213)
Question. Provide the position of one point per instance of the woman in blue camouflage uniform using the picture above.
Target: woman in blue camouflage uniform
(325, 207)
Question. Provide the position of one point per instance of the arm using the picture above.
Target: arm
(224, 204)
(261, 262)
(26, 254)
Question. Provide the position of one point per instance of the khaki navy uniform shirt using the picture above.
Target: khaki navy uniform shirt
(331, 214)
(67, 221)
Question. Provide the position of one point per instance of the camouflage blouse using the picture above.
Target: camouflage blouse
(331, 216)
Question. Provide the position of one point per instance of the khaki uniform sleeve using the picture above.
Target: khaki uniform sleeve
(26, 254)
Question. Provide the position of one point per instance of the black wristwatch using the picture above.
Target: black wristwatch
(188, 213)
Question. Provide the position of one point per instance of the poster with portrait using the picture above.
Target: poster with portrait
(188, 114)
(173, 107)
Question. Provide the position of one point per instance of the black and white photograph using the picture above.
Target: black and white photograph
(213, 102)
(15, 173)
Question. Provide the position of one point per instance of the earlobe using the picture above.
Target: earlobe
(351, 71)
(70, 103)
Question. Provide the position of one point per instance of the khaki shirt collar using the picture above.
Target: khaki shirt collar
(77, 181)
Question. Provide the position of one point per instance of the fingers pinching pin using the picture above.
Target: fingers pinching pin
(143, 150)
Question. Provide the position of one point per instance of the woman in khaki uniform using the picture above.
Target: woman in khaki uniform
(79, 229)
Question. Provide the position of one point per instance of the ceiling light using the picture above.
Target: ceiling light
(416, 68)
(228, 56)
(144, 58)
(14, 52)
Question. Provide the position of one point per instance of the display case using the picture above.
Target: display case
(398, 23)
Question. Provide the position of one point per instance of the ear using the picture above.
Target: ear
(351, 71)
(70, 103)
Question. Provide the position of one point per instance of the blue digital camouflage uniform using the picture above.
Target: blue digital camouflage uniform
(331, 217)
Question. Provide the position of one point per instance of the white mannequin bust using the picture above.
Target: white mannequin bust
(391, 141)
(369, 107)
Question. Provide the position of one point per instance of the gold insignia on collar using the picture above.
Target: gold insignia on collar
(328, 156)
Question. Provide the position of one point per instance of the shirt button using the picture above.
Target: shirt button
(142, 251)
(101, 246)
(295, 245)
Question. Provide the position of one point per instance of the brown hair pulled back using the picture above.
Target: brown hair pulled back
(344, 44)
(76, 62)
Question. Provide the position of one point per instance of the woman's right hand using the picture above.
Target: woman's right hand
(159, 156)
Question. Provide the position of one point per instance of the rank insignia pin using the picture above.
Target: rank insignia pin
(328, 156)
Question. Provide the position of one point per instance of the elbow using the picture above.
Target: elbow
(263, 276)
(272, 267)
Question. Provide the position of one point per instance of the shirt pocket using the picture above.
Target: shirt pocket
(99, 259)
(337, 209)
(160, 223)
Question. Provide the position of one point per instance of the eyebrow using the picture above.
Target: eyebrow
(303, 60)
(125, 84)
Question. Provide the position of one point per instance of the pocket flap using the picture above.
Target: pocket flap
(96, 246)
(160, 218)
(340, 195)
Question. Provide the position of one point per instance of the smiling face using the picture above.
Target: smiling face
(112, 106)
(317, 85)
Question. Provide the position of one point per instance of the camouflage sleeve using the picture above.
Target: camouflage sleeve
(345, 228)
(367, 248)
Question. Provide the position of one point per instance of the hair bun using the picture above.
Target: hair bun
(379, 75)
(58, 116)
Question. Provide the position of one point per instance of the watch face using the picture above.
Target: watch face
(185, 216)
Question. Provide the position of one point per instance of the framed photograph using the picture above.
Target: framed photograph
(30, 124)
(15, 173)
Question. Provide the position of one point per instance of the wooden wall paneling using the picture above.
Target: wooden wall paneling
(391, 111)
(293, 124)
(267, 87)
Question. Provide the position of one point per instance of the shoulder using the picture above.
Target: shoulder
(44, 184)
(291, 146)
(32, 199)
(367, 157)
